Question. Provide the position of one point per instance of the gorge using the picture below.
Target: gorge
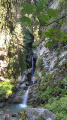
(33, 59)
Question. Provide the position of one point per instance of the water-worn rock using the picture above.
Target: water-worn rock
(37, 113)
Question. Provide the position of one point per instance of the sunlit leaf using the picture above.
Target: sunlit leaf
(51, 12)
(28, 8)
(25, 19)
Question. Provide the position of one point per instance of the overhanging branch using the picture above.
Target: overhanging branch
(56, 20)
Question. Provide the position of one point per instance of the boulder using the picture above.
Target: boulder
(38, 114)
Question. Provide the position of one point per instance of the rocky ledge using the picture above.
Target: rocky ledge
(38, 114)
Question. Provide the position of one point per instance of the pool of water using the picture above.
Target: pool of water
(11, 109)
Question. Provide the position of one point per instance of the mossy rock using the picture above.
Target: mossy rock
(24, 115)
(40, 118)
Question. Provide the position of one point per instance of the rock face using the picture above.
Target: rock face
(39, 114)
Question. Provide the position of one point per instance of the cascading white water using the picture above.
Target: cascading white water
(25, 97)
(32, 70)
(24, 103)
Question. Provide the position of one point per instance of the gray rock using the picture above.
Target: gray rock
(48, 119)
(14, 115)
(2, 104)
(23, 85)
(17, 85)
(1, 112)
(36, 113)
(24, 78)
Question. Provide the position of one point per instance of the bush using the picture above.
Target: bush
(59, 107)
(5, 89)
(39, 64)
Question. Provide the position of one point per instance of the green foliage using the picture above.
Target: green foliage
(25, 19)
(28, 8)
(5, 89)
(35, 44)
(24, 115)
(28, 41)
(43, 72)
(63, 6)
(40, 13)
(52, 13)
(58, 106)
(52, 97)
(40, 118)
(55, 35)
(16, 63)
(47, 90)
(39, 64)
(20, 119)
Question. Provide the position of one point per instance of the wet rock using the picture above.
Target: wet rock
(1, 104)
(23, 85)
(14, 115)
(1, 112)
(37, 113)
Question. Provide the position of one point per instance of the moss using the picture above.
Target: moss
(40, 118)
(30, 106)
(24, 115)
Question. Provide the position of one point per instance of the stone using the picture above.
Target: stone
(49, 119)
(24, 78)
(1, 112)
(2, 104)
(36, 113)
(23, 85)
(14, 115)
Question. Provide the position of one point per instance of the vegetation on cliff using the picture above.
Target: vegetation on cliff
(38, 25)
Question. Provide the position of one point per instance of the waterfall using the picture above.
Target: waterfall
(24, 102)
(32, 70)
(25, 97)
